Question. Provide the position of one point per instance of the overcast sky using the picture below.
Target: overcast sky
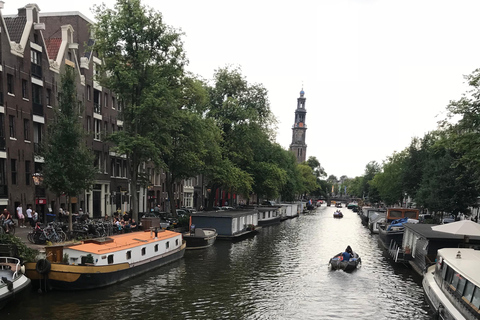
(375, 72)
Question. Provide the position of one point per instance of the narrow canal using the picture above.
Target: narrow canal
(281, 273)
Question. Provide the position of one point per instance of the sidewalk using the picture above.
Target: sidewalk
(22, 234)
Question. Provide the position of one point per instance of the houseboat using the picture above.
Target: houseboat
(268, 216)
(421, 243)
(291, 210)
(367, 212)
(375, 219)
(230, 225)
(452, 284)
(391, 231)
(100, 262)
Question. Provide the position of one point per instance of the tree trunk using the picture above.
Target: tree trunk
(69, 208)
(169, 184)
(211, 197)
(134, 187)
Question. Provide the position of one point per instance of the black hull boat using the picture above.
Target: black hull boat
(337, 263)
(200, 238)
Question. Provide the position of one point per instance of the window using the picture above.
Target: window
(105, 129)
(98, 129)
(106, 100)
(26, 129)
(10, 84)
(110, 258)
(36, 66)
(476, 298)
(156, 248)
(97, 101)
(97, 160)
(113, 102)
(89, 93)
(28, 174)
(36, 94)
(469, 291)
(144, 251)
(49, 97)
(13, 168)
(36, 57)
(176, 242)
(129, 255)
(112, 167)
(24, 89)
(11, 124)
(89, 124)
(167, 245)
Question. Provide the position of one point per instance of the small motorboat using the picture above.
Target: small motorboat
(12, 279)
(338, 263)
(199, 238)
(338, 214)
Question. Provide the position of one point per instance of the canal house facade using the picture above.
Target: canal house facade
(35, 48)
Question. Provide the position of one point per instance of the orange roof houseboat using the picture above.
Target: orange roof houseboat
(101, 262)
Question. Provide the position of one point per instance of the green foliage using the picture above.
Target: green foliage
(144, 60)
(68, 166)
(25, 253)
(242, 113)
(388, 183)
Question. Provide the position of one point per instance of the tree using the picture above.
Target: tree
(68, 164)
(464, 135)
(242, 112)
(313, 163)
(143, 63)
(388, 183)
(446, 184)
(371, 169)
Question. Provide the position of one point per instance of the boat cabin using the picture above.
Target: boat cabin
(229, 224)
(128, 248)
(268, 216)
(421, 243)
(457, 276)
(400, 213)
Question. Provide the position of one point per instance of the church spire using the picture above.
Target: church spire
(299, 130)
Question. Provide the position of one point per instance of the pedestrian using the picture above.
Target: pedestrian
(30, 216)
(20, 216)
(34, 216)
(7, 220)
(60, 214)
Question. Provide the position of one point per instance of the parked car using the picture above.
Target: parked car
(268, 203)
(426, 216)
(225, 208)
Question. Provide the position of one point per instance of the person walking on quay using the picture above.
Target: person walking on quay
(20, 216)
(34, 217)
(30, 216)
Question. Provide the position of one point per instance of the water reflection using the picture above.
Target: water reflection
(281, 273)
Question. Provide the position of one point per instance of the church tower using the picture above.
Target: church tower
(299, 130)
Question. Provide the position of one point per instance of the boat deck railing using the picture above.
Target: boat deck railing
(397, 253)
(12, 264)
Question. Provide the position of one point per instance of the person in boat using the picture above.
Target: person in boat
(347, 254)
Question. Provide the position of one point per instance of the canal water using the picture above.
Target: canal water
(281, 273)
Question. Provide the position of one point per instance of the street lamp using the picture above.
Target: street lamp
(37, 181)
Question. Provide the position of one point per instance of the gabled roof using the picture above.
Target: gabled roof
(53, 46)
(15, 27)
